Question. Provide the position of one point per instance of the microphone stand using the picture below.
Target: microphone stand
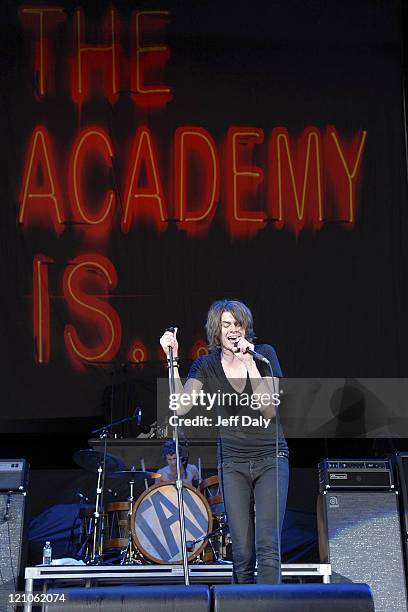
(119, 421)
(278, 532)
(179, 481)
(266, 361)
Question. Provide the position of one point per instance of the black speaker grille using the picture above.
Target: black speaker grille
(11, 545)
(363, 541)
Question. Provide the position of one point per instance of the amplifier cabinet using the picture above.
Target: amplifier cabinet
(341, 474)
(13, 544)
(13, 474)
(400, 461)
(359, 535)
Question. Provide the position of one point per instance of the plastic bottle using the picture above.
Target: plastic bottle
(47, 553)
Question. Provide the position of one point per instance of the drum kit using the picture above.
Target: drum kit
(147, 530)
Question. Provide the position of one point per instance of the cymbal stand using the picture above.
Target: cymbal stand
(128, 554)
(99, 523)
(96, 530)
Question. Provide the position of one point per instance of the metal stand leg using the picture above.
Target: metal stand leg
(96, 545)
(29, 585)
(128, 555)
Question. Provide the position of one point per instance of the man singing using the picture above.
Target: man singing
(252, 459)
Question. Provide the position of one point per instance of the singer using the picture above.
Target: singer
(252, 461)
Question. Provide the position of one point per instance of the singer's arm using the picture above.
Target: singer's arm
(192, 387)
(266, 388)
(190, 390)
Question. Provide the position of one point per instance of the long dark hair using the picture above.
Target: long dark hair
(239, 311)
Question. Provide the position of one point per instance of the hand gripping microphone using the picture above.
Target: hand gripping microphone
(254, 354)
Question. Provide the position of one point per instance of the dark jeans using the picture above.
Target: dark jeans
(246, 486)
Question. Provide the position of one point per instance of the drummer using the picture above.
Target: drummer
(189, 472)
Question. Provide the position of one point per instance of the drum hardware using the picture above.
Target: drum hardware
(217, 552)
(155, 523)
(117, 525)
(93, 546)
(86, 517)
(224, 539)
(118, 528)
(105, 464)
(98, 535)
(101, 462)
(210, 488)
(90, 460)
(143, 466)
(128, 554)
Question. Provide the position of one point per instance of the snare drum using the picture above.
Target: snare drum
(210, 488)
(117, 525)
(155, 523)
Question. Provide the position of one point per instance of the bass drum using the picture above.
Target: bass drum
(155, 523)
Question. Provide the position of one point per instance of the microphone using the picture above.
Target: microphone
(171, 329)
(254, 354)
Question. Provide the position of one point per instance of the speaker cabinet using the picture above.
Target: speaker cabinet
(133, 598)
(401, 463)
(12, 544)
(360, 536)
(292, 598)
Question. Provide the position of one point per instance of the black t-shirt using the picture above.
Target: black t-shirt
(245, 433)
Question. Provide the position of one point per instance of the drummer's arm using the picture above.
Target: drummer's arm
(196, 476)
(163, 477)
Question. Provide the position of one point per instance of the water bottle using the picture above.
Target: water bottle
(47, 554)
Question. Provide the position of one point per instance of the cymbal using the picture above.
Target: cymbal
(134, 474)
(92, 459)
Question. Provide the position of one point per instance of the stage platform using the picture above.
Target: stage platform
(200, 573)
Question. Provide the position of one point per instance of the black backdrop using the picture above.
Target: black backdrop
(331, 299)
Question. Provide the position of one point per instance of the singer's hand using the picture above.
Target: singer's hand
(169, 339)
(240, 350)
